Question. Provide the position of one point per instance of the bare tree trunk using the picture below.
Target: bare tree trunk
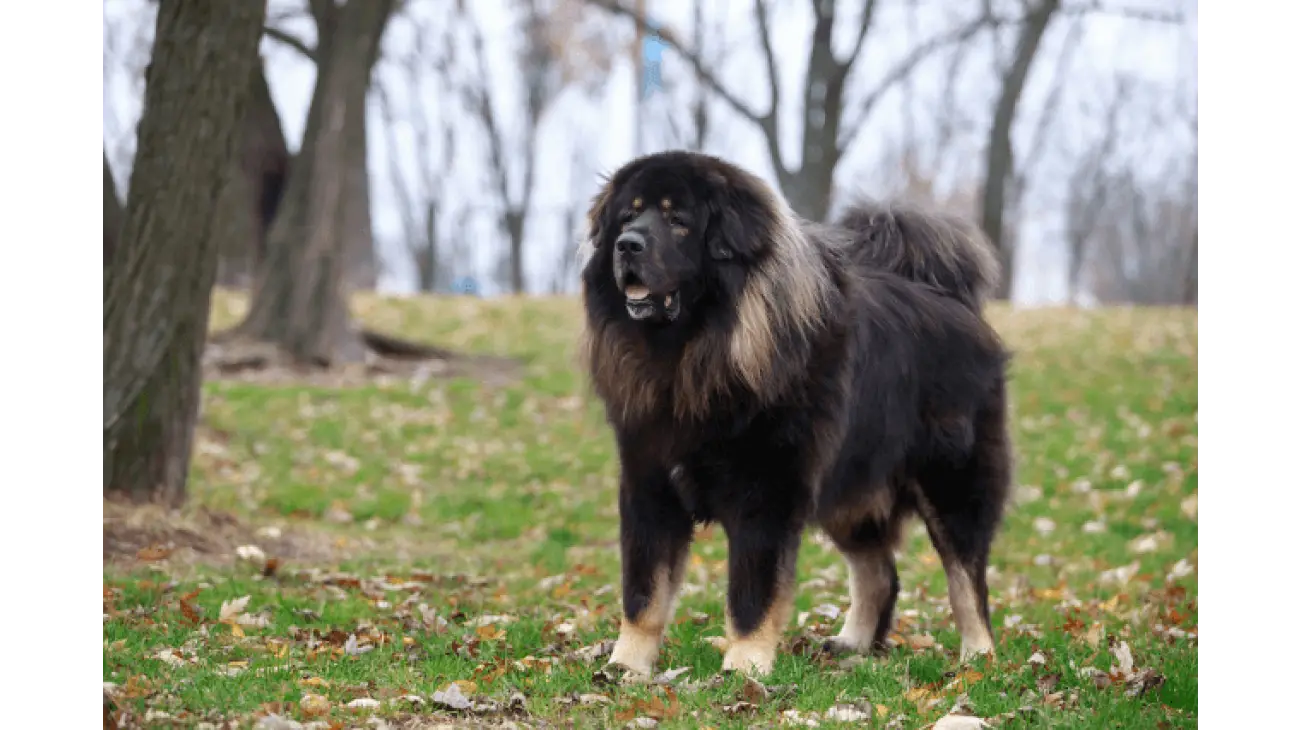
(514, 221)
(263, 171)
(300, 299)
(357, 228)
(158, 289)
(426, 258)
(999, 163)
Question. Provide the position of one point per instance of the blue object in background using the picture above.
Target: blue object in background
(467, 285)
(652, 54)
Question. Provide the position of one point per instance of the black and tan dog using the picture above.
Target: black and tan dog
(765, 373)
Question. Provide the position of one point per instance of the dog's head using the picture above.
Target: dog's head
(674, 233)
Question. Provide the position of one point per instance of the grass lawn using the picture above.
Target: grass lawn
(436, 552)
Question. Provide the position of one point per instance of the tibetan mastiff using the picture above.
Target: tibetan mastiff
(765, 372)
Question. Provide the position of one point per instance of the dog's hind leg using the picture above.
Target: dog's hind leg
(762, 552)
(962, 507)
(655, 534)
(867, 540)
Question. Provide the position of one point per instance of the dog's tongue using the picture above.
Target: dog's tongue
(637, 292)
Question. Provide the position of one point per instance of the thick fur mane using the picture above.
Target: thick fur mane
(781, 295)
(787, 296)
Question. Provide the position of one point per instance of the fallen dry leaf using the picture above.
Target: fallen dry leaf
(452, 697)
(921, 642)
(187, 607)
(364, 703)
(669, 676)
(846, 713)
(153, 553)
(231, 609)
(753, 691)
(314, 705)
(963, 681)
(489, 632)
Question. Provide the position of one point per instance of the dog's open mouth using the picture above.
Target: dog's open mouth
(642, 304)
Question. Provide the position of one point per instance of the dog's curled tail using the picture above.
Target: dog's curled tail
(944, 250)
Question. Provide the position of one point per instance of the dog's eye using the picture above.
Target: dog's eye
(676, 220)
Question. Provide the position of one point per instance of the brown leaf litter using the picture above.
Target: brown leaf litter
(136, 534)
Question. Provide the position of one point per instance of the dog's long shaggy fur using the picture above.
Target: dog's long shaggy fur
(764, 372)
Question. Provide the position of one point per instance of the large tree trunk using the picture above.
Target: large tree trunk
(999, 164)
(300, 299)
(158, 289)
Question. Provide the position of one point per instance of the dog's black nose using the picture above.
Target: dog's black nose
(630, 242)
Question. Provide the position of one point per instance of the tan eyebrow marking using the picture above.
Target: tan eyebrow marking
(636, 203)
(666, 204)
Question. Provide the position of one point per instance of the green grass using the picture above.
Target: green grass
(419, 512)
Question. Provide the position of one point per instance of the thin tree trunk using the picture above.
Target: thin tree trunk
(300, 300)
(515, 232)
(999, 163)
(158, 289)
(426, 257)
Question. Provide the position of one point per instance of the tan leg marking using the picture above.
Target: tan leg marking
(755, 653)
(638, 642)
(975, 636)
(869, 584)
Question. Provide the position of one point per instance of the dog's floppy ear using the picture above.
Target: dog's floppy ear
(738, 223)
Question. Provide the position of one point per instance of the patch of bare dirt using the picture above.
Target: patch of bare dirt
(259, 362)
(142, 534)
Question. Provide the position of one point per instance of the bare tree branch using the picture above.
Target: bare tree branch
(697, 64)
(291, 41)
(900, 70)
(868, 14)
(1050, 106)
(769, 57)
(1140, 14)
(481, 102)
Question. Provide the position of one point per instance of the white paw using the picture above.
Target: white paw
(973, 649)
(635, 653)
(842, 644)
(749, 658)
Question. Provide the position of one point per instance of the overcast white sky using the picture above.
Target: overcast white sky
(583, 134)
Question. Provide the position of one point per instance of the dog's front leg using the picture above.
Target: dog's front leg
(655, 534)
(762, 551)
